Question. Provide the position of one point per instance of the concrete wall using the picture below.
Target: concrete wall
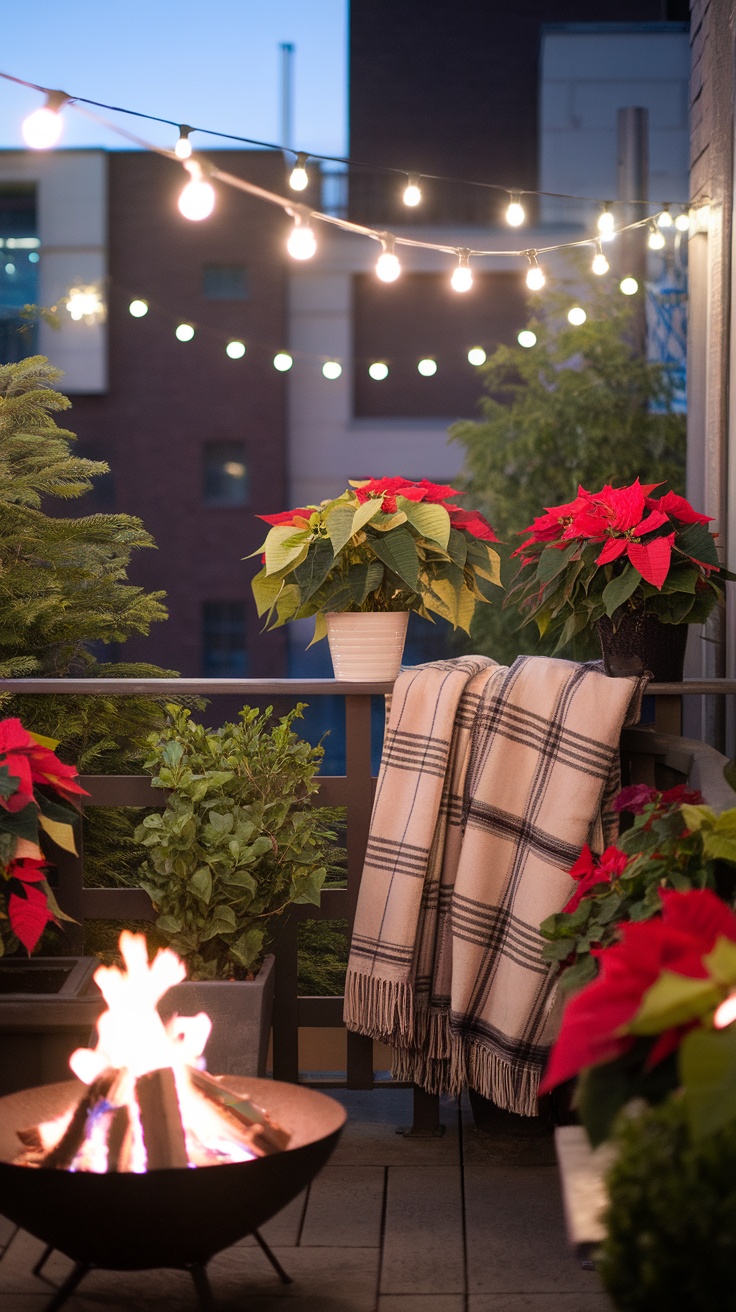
(72, 219)
(587, 73)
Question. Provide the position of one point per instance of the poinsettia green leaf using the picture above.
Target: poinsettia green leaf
(707, 1065)
(339, 523)
(398, 551)
(698, 543)
(365, 513)
(620, 589)
(682, 578)
(697, 816)
(552, 561)
(430, 520)
(320, 628)
(673, 1000)
(457, 547)
(266, 589)
(719, 847)
(721, 962)
(312, 572)
(578, 975)
(284, 546)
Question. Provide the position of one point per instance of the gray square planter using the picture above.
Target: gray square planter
(241, 1012)
(48, 1006)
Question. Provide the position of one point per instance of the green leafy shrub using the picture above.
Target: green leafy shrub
(239, 840)
(671, 1220)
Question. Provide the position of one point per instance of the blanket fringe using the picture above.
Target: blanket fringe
(383, 1009)
(448, 1064)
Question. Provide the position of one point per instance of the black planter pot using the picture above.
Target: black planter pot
(641, 642)
(48, 1007)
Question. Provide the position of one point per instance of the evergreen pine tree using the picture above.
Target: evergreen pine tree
(580, 406)
(63, 590)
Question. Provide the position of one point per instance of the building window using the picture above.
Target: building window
(225, 282)
(223, 640)
(225, 474)
(19, 258)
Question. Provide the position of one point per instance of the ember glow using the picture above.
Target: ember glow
(149, 1102)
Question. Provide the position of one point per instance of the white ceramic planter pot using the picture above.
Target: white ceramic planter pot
(367, 644)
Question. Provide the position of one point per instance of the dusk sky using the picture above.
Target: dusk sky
(215, 64)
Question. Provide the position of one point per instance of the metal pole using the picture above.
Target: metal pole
(288, 50)
(633, 185)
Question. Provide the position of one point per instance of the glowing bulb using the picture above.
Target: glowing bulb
(476, 355)
(629, 286)
(34, 257)
(10, 268)
(606, 222)
(183, 147)
(138, 309)
(42, 129)
(527, 338)
(331, 369)
(283, 362)
(665, 218)
(378, 371)
(184, 332)
(515, 213)
(682, 222)
(299, 179)
(576, 315)
(302, 242)
(412, 191)
(83, 303)
(427, 368)
(388, 267)
(462, 278)
(535, 278)
(236, 350)
(600, 264)
(197, 200)
(656, 238)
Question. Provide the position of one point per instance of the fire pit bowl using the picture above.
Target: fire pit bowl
(162, 1218)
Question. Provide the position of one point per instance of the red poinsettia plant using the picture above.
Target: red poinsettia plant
(607, 553)
(32, 780)
(658, 1019)
(385, 544)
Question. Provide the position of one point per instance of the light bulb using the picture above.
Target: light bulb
(388, 267)
(476, 355)
(184, 332)
(331, 369)
(527, 338)
(576, 315)
(10, 269)
(665, 218)
(629, 286)
(427, 368)
(600, 264)
(83, 303)
(302, 242)
(606, 223)
(682, 222)
(42, 129)
(378, 371)
(197, 200)
(535, 278)
(299, 178)
(138, 309)
(412, 191)
(236, 350)
(656, 238)
(34, 257)
(283, 362)
(183, 147)
(515, 213)
(462, 278)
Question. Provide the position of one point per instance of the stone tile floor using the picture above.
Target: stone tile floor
(471, 1222)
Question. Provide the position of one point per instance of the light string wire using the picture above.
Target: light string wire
(78, 101)
(292, 208)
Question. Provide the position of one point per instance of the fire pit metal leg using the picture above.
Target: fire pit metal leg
(282, 1275)
(202, 1286)
(64, 1291)
(43, 1259)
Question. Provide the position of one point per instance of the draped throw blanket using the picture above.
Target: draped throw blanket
(491, 781)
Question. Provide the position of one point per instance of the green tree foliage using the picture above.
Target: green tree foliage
(580, 407)
(63, 590)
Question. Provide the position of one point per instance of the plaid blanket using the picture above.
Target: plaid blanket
(492, 778)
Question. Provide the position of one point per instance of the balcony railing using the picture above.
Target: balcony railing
(354, 791)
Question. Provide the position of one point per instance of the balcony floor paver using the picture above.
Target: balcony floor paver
(471, 1222)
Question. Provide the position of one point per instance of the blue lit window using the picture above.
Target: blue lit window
(19, 258)
(225, 474)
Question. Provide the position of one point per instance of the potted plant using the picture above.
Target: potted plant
(638, 567)
(44, 1013)
(653, 1042)
(361, 562)
(675, 842)
(238, 842)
